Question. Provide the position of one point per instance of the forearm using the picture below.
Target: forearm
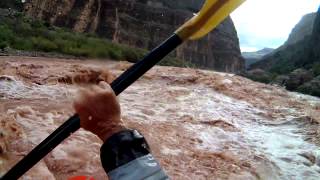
(126, 155)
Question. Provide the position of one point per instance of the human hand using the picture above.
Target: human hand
(99, 110)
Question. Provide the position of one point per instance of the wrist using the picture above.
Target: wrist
(107, 132)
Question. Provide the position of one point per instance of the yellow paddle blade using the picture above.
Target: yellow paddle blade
(210, 16)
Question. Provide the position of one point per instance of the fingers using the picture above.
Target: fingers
(82, 106)
(97, 101)
(80, 100)
(98, 109)
(94, 97)
(81, 110)
(102, 88)
(104, 85)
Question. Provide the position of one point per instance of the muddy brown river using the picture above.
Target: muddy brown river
(200, 124)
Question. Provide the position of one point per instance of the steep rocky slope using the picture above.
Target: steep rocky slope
(297, 60)
(316, 38)
(144, 24)
(200, 124)
(296, 55)
(302, 29)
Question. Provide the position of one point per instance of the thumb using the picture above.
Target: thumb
(106, 87)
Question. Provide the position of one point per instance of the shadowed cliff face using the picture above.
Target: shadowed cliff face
(144, 24)
(302, 54)
(297, 64)
(302, 29)
(316, 29)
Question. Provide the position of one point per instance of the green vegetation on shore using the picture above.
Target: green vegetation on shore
(22, 33)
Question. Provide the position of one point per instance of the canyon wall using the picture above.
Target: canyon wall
(144, 24)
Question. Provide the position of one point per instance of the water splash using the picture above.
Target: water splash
(10, 88)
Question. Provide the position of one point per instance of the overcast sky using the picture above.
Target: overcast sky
(268, 23)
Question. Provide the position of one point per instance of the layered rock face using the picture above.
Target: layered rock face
(144, 24)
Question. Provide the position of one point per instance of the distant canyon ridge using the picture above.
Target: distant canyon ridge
(295, 64)
(145, 24)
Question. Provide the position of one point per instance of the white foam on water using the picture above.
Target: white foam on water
(10, 88)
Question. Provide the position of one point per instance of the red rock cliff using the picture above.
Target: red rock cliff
(144, 24)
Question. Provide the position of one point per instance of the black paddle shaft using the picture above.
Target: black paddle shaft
(73, 123)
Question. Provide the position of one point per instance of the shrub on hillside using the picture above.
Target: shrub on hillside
(133, 55)
(43, 44)
(316, 69)
(6, 36)
(297, 78)
(312, 87)
(259, 75)
(14, 4)
(21, 43)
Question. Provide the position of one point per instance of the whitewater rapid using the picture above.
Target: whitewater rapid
(200, 124)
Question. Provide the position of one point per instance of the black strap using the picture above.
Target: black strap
(121, 148)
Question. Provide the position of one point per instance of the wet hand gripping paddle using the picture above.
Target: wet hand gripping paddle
(212, 14)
